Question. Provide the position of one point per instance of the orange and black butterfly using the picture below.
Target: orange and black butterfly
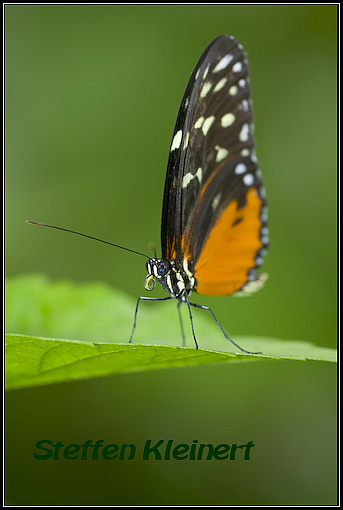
(214, 217)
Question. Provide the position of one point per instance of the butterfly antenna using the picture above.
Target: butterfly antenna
(89, 237)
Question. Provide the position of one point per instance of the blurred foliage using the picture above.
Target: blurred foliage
(91, 97)
(92, 94)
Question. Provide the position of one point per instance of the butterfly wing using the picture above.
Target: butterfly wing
(214, 207)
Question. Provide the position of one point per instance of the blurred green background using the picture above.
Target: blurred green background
(92, 94)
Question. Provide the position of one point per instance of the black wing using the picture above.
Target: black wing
(211, 160)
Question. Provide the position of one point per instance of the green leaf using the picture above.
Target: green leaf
(34, 361)
(101, 319)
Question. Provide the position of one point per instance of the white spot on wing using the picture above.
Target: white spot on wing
(199, 122)
(216, 200)
(185, 143)
(244, 134)
(223, 63)
(240, 168)
(176, 140)
(227, 120)
(262, 191)
(220, 84)
(207, 124)
(252, 286)
(206, 71)
(187, 178)
(221, 153)
(205, 89)
(237, 67)
(248, 179)
(245, 105)
(233, 90)
(264, 214)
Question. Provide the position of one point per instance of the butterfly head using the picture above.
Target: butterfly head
(159, 269)
(176, 281)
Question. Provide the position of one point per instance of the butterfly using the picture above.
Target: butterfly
(214, 230)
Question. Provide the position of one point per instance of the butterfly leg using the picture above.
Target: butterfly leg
(144, 298)
(203, 307)
(185, 295)
(181, 324)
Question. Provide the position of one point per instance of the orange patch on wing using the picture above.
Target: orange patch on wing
(229, 252)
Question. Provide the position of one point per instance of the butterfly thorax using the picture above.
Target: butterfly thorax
(175, 280)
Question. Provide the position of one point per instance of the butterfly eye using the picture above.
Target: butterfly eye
(163, 267)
